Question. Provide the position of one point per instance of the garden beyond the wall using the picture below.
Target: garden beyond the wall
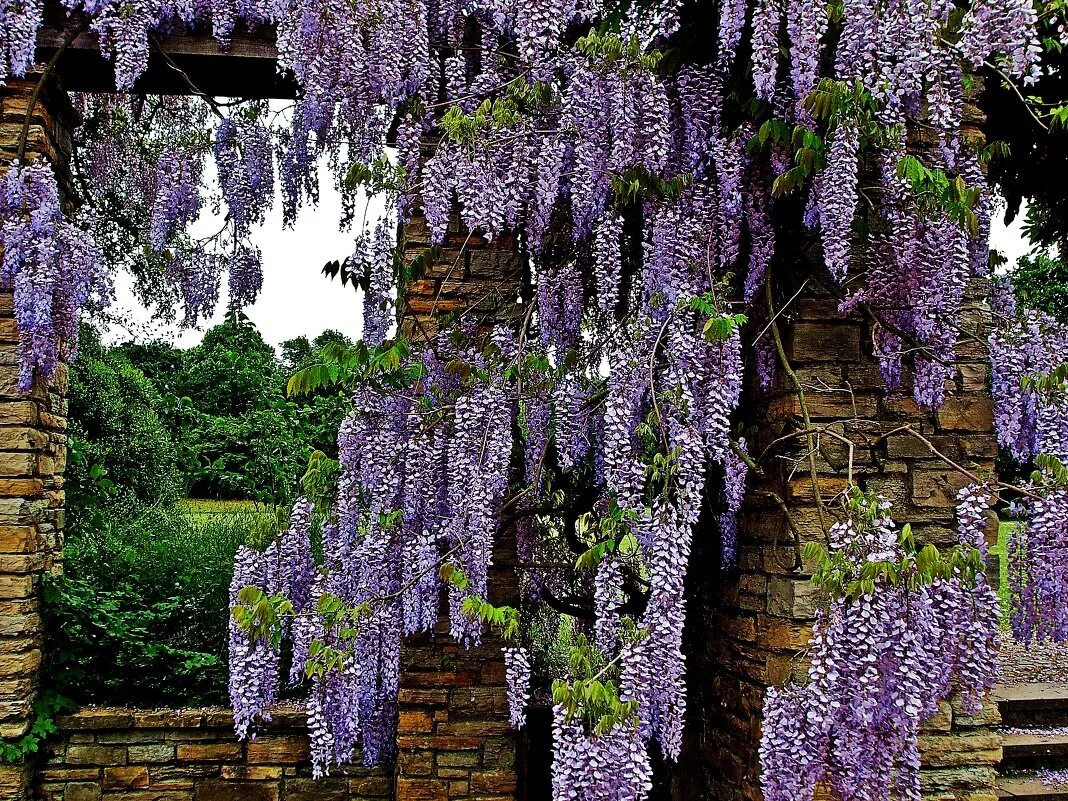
(175, 458)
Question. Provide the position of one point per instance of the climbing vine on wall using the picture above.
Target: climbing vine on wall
(650, 158)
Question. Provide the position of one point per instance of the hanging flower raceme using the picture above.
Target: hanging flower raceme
(245, 163)
(53, 269)
(19, 21)
(902, 628)
(1030, 410)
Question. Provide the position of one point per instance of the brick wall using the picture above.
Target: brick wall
(191, 755)
(32, 456)
(454, 737)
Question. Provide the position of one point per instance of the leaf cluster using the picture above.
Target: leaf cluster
(591, 693)
(608, 48)
(935, 192)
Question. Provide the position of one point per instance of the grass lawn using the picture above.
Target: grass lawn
(206, 510)
(1000, 550)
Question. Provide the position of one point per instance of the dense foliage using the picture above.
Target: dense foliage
(224, 404)
(138, 618)
(653, 158)
(1042, 284)
(139, 614)
(121, 454)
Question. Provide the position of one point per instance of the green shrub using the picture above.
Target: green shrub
(1042, 282)
(122, 456)
(140, 615)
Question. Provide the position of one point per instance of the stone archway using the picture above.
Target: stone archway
(454, 741)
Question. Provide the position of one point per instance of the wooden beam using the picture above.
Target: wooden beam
(248, 69)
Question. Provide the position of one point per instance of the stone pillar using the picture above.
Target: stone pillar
(751, 630)
(454, 737)
(32, 455)
(471, 274)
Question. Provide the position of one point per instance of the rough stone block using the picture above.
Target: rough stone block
(943, 751)
(440, 679)
(278, 751)
(168, 718)
(974, 413)
(217, 790)
(125, 778)
(155, 753)
(96, 719)
(407, 695)
(82, 791)
(823, 342)
(792, 597)
(460, 759)
(414, 721)
(416, 763)
(18, 539)
(476, 728)
(497, 782)
(96, 755)
(937, 487)
(22, 438)
(422, 790)
(371, 786)
(25, 663)
(209, 752)
(250, 772)
(316, 790)
(480, 701)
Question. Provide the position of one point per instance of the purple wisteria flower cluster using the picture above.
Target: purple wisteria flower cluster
(1027, 351)
(53, 269)
(882, 660)
(649, 217)
(286, 569)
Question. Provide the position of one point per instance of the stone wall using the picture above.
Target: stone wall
(749, 632)
(454, 739)
(32, 456)
(191, 755)
(471, 273)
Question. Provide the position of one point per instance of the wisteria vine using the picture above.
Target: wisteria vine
(647, 184)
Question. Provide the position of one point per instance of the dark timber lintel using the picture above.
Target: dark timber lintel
(248, 69)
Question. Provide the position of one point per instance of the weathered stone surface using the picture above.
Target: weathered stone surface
(93, 719)
(316, 790)
(422, 790)
(211, 752)
(125, 778)
(82, 791)
(217, 790)
(152, 753)
(96, 755)
(278, 751)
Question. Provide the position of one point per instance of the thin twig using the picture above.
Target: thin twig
(773, 324)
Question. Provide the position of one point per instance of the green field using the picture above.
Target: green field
(1000, 551)
(205, 510)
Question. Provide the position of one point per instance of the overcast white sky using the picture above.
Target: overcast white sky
(298, 300)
